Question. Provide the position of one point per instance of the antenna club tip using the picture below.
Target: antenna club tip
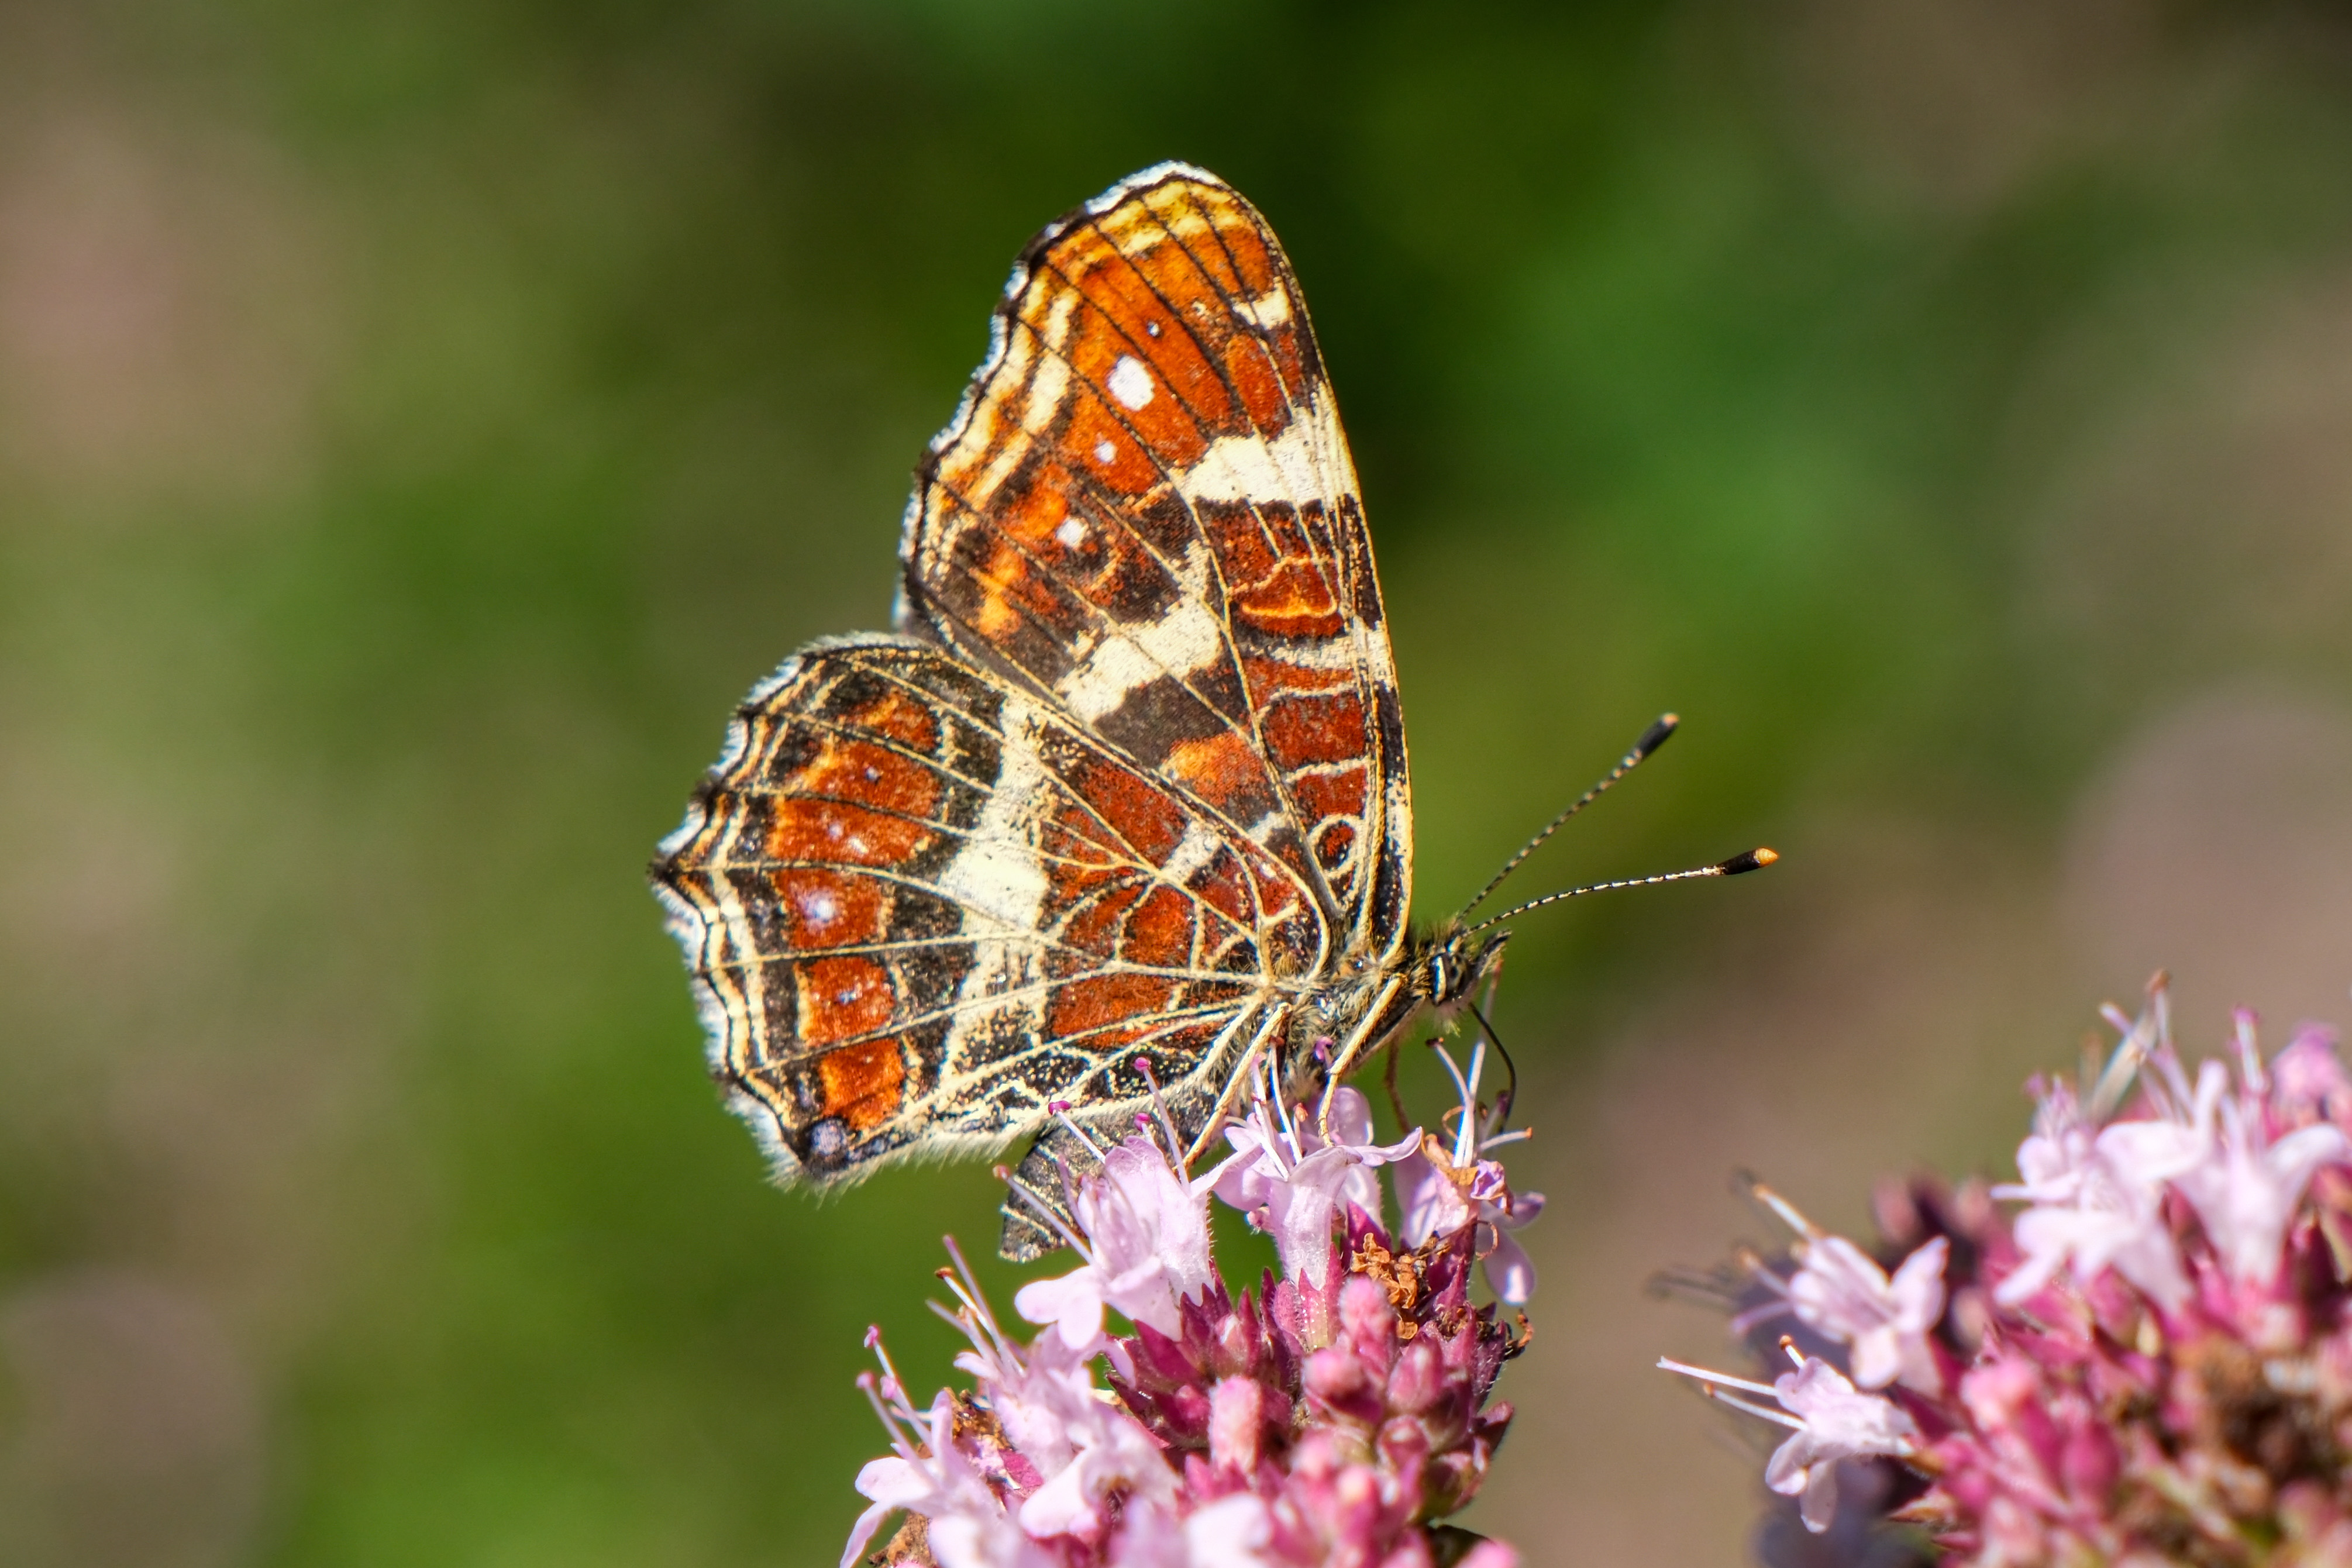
(1656, 735)
(1754, 860)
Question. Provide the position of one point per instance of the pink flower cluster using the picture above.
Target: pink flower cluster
(2148, 1360)
(1334, 1417)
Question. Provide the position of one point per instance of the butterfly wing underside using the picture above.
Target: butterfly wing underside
(923, 908)
(1146, 510)
(1131, 773)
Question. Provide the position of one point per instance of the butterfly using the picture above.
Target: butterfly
(1118, 811)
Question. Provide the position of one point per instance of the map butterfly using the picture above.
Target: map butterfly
(1119, 805)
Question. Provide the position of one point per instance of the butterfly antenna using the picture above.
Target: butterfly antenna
(1510, 1085)
(1651, 739)
(1737, 865)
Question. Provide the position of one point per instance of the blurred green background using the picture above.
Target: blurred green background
(421, 421)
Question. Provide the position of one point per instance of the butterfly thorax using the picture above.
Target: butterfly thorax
(1434, 972)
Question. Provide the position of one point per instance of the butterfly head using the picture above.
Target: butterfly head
(1454, 960)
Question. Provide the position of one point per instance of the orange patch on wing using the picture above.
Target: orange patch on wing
(869, 793)
(1270, 678)
(1127, 472)
(1241, 245)
(1284, 588)
(1159, 930)
(1097, 560)
(1125, 308)
(866, 774)
(1031, 513)
(1221, 236)
(1259, 386)
(1292, 600)
(828, 831)
(1304, 730)
(841, 998)
(1142, 817)
(862, 1082)
(830, 908)
(899, 715)
(1096, 1005)
(1341, 793)
(1013, 593)
(1078, 858)
(1093, 344)
(1221, 768)
(1224, 886)
(1333, 842)
(1095, 928)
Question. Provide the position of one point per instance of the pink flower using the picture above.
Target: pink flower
(1109, 1454)
(1291, 1181)
(1442, 1187)
(2152, 1362)
(1840, 1292)
(2244, 1187)
(1325, 1427)
(2097, 1197)
(1145, 1246)
(1234, 1531)
(1832, 1421)
(935, 1478)
(2309, 1081)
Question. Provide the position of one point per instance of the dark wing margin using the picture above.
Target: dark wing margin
(1145, 511)
(922, 909)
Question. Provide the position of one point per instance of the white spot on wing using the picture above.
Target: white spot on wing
(1267, 310)
(1130, 383)
(819, 908)
(1195, 850)
(1001, 882)
(1295, 465)
(997, 873)
(1105, 450)
(1186, 638)
(1071, 534)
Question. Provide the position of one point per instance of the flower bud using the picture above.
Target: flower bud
(1236, 1412)
(1418, 1378)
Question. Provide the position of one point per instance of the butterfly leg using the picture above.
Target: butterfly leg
(1377, 1025)
(1238, 1080)
(1036, 1205)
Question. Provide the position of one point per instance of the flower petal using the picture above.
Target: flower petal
(1073, 1302)
(1510, 1273)
(1231, 1533)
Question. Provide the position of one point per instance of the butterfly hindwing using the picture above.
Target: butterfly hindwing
(923, 908)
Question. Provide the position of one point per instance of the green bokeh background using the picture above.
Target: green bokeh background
(421, 421)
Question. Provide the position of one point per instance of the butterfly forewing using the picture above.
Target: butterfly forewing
(1146, 510)
(1129, 782)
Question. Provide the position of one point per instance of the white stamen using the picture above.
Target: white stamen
(1668, 1364)
(1736, 1403)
